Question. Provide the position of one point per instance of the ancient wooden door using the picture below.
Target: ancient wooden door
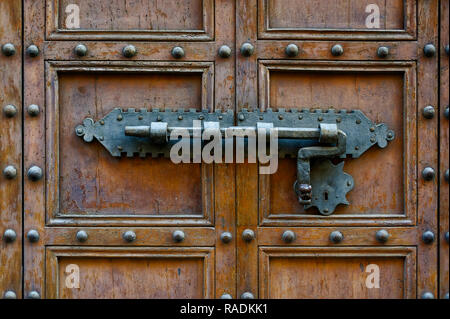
(91, 225)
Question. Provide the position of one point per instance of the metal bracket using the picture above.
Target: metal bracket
(313, 137)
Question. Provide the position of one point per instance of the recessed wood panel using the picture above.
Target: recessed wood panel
(142, 19)
(346, 273)
(336, 19)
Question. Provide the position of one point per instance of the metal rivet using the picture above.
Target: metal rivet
(10, 172)
(82, 236)
(178, 236)
(336, 237)
(248, 235)
(129, 51)
(201, 117)
(247, 295)
(10, 295)
(33, 110)
(8, 49)
(177, 52)
(129, 236)
(383, 52)
(446, 175)
(280, 117)
(429, 50)
(338, 120)
(358, 121)
(428, 173)
(9, 236)
(247, 49)
(320, 118)
(427, 295)
(119, 117)
(382, 236)
(34, 173)
(241, 117)
(428, 237)
(446, 113)
(447, 51)
(120, 148)
(373, 139)
(428, 112)
(34, 295)
(337, 50)
(180, 117)
(292, 50)
(288, 236)
(9, 110)
(226, 237)
(225, 51)
(372, 129)
(446, 237)
(33, 236)
(33, 51)
(226, 296)
(80, 50)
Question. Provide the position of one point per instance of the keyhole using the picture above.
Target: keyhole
(325, 195)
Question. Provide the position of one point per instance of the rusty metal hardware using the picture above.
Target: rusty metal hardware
(34, 173)
(336, 237)
(34, 295)
(33, 51)
(428, 112)
(178, 236)
(9, 236)
(288, 236)
(226, 296)
(337, 50)
(33, 110)
(226, 237)
(248, 235)
(428, 237)
(292, 50)
(9, 110)
(247, 49)
(429, 50)
(10, 295)
(383, 52)
(428, 173)
(247, 295)
(313, 137)
(427, 295)
(33, 236)
(8, 49)
(82, 236)
(80, 50)
(129, 51)
(129, 236)
(10, 172)
(382, 236)
(224, 51)
(178, 52)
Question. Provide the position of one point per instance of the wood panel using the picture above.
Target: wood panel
(11, 149)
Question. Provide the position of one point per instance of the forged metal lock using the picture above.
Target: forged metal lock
(313, 137)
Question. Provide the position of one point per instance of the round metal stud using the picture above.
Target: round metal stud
(292, 50)
(33, 110)
(337, 50)
(178, 236)
(34, 295)
(226, 296)
(9, 235)
(225, 51)
(382, 236)
(33, 236)
(80, 50)
(427, 295)
(82, 236)
(288, 236)
(383, 52)
(34, 173)
(446, 113)
(129, 51)
(247, 295)
(10, 295)
(226, 237)
(428, 237)
(10, 172)
(33, 51)
(248, 235)
(247, 49)
(9, 110)
(129, 236)
(428, 112)
(178, 52)
(8, 49)
(446, 237)
(428, 173)
(429, 50)
(336, 237)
